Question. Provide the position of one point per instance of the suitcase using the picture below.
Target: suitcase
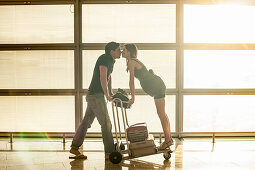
(142, 148)
(142, 144)
(137, 132)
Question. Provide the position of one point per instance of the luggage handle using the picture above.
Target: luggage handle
(138, 124)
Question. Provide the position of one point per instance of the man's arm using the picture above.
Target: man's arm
(110, 85)
(103, 81)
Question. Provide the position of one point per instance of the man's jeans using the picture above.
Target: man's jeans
(96, 107)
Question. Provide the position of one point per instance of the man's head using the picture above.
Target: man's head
(113, 49)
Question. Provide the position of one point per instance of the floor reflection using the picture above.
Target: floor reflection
(137, 164)
(77, 164)
(127, 164)
(189, 154)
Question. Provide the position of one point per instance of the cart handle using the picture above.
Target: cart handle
(138, 124)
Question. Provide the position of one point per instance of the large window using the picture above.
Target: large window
(219, 113)
(137, 23)
(27, 24)
(37, 114)
(227, 23)
(219, 69)
(219, 74)
(37, 69)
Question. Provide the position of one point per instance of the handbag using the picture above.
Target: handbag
(137, 132)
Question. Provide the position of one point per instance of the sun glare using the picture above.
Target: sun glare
(224, 23)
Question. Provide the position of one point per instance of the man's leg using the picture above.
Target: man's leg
(106, 127)
(82, 130)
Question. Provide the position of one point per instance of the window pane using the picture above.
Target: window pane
(219, 69)
(138, 23)
(143, 110)
(163, 63)
(26, 24)
(36, 69)
(219, 24)
(37, 114)
(219, 113)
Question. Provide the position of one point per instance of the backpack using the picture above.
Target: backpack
(123, 96)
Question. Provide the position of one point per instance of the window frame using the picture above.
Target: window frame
(179, 46)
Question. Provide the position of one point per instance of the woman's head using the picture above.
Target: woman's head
(129, 51)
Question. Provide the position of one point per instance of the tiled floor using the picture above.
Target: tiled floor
(190, 154)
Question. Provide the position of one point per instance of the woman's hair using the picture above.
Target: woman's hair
(132, 49)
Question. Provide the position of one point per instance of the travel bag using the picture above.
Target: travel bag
(123, 96)
(142, 148)
(137, 132)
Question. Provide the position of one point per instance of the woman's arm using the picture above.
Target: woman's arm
(131, 69)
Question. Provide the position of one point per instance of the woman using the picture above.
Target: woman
(151, 84)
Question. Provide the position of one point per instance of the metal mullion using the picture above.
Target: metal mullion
(15, 47)
(155, 134)
(157, 46)
(137, 91)
(78, 61)
(141, 46)
(213, 2)
(35, 2)
(35, 93)
(129, 1)
(219, 46)
(141, 92)
(219, 91)
(37, 90)
(180, 103)
(219, 134)
(179, 66)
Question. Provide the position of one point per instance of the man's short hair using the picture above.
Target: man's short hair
(111, 46)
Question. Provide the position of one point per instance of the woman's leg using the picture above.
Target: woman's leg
(160, 105)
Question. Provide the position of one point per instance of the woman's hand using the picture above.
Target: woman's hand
(109, 98)
(131, 101)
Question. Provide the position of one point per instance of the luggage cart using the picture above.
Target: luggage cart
(120, 153)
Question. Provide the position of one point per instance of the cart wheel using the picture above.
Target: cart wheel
(115, 157)
(167, 155)
(122, 146)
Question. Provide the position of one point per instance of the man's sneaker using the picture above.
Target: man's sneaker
(77, 154)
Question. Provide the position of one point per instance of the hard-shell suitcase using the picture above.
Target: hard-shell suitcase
(142, 148)
(142, 144)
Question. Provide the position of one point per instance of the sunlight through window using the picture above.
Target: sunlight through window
(219, 24)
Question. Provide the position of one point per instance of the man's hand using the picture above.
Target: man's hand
(108, 98)
(130, 102)
(111, 94)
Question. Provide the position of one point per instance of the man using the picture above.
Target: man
(100, 86)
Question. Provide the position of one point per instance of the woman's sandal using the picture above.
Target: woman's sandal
(165, 145)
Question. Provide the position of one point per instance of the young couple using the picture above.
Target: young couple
(101, 88)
